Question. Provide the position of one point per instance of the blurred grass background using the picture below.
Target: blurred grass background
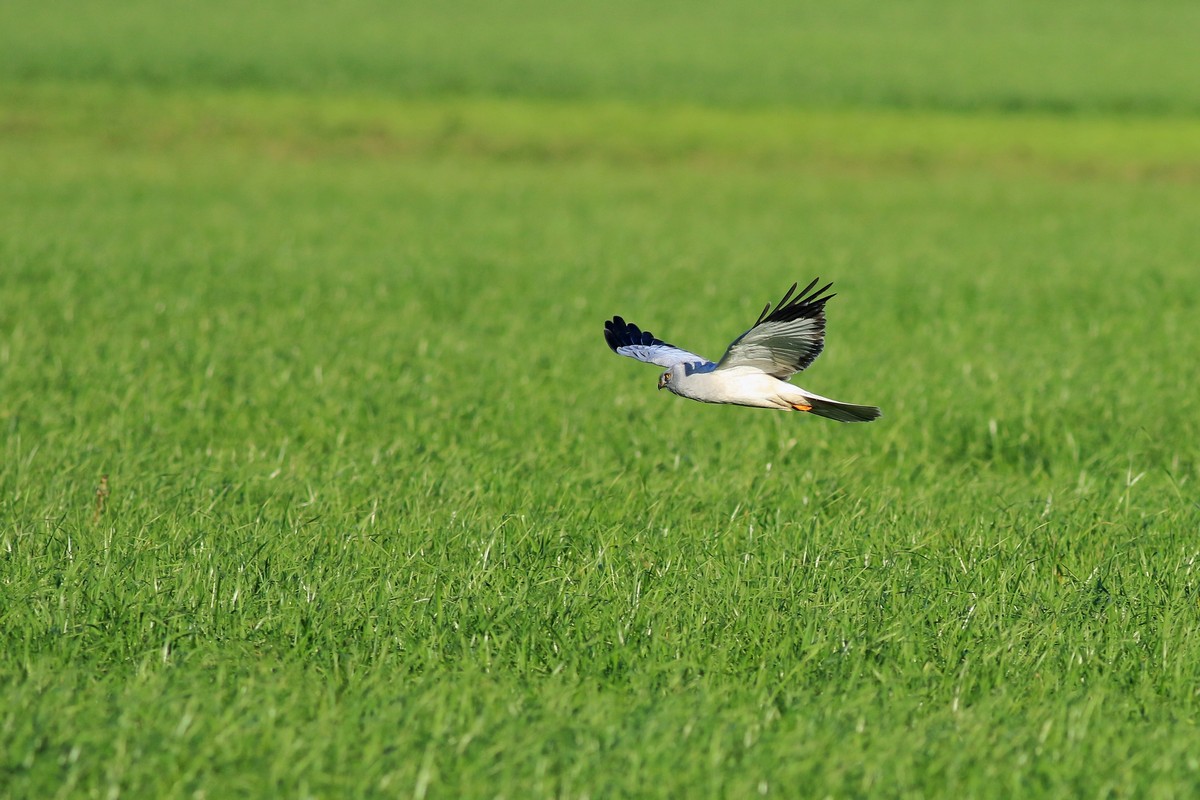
(320, 289)
(1064, 57)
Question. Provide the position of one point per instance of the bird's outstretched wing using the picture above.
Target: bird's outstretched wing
(627, 339)
(785, 340)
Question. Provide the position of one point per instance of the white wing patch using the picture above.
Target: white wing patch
(786, 340)
(627, 339)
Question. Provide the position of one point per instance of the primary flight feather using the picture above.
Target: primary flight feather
(755, 368)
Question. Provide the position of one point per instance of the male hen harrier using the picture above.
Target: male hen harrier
(755, 368)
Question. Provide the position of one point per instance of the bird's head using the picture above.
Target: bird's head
(670, 378)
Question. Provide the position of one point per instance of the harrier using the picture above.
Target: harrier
(755, 369)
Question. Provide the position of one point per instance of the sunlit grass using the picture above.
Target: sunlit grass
(290, 125)
(384, 516)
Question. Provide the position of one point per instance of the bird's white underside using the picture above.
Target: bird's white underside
(742, 385)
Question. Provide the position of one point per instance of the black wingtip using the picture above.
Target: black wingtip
(788, 295)
(619, 333)
(805, 303)
(611, 328)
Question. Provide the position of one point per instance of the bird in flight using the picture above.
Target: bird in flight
(755, 369)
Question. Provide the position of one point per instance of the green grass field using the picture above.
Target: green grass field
(321, 288)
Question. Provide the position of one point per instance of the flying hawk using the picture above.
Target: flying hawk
(755, 368)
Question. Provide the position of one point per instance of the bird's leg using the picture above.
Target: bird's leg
(801, 407)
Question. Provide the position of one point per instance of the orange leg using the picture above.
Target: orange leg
(801, 407)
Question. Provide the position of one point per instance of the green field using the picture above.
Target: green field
(320, 289)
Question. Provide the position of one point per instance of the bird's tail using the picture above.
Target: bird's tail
(842, 412)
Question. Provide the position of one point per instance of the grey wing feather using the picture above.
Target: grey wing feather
(785, 340)
(627, 339)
